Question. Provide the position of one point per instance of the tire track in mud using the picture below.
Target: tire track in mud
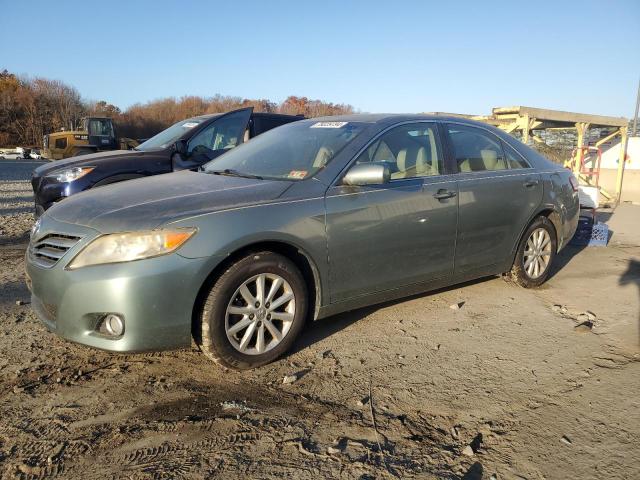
(196, 435)
(178, 459)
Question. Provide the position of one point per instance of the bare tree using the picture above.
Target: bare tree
(32, 108)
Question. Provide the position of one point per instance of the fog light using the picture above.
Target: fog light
(113, 325)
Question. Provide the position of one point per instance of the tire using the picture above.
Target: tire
(524, 271)
(226, 307)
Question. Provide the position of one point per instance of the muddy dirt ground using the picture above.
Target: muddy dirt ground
(513, 384)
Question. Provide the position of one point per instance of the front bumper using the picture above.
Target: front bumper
(47, 191)
(154, 296)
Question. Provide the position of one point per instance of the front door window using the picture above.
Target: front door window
(409, 151)
(223, 134)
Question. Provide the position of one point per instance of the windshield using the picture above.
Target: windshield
(170, 135)
(291, 152)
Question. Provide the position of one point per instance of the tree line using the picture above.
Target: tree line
(33, 107)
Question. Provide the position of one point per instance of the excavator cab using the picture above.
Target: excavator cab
(100, 133)
(92, 134)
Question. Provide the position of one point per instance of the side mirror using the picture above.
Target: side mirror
(367, 174)
(180, 147)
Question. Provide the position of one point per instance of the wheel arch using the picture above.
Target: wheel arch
(554, 217)
(556, 220)
(296, 254)
(122, 177)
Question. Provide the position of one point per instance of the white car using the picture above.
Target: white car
(10, 155)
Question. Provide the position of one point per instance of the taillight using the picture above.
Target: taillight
(574, 182)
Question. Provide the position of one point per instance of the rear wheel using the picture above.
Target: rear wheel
(254, 311)
(535, 255)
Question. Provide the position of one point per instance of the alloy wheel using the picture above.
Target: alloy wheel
(260, 314)
(537, 253)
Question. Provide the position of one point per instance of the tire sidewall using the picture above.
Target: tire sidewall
(519, 271)
(226, 286)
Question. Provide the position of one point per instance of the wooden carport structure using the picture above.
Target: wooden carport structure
(527, 119)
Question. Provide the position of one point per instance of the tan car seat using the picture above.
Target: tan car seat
(322, 157)
(465, 165)
(423, 166)
(490, 160)
(427, 163)
(406, 162)
(401, 161)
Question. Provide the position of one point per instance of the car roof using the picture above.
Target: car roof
(203, 117)
(395, 117)
(398, 117)
(380, 118)
(254, 114)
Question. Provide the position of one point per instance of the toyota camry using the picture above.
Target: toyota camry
(310, 219)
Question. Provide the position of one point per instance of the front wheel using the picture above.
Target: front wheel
(254, 311)
(535, 255)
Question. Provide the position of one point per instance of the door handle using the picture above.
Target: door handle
(531, 183)
(443, 194)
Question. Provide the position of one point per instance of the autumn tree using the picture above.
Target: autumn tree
(32, 108)
(9, 109)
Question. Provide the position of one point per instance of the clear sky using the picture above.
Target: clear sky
(379, 56)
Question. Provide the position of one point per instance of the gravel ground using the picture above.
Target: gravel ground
(513, 384)
(16, 200)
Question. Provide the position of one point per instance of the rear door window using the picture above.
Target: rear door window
(514, 159)
(475, 149)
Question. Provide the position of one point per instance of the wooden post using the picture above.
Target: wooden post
(621, 162)
(582, 130)
(525, 129)
(635, 116)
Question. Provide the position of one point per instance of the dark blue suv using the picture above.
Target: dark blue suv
(187, 144)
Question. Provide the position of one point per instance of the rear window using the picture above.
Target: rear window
(61, 143)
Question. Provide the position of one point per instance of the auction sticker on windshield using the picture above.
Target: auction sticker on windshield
(329, 124)
(190, 124)
(298, 174)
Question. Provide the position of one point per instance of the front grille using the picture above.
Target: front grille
(52, 247)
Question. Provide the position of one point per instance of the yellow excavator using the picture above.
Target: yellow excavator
(93, 134)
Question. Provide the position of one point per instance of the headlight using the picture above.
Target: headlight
(70, 174)
(125, 247)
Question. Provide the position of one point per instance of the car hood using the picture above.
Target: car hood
(149, 202)
(84, 160)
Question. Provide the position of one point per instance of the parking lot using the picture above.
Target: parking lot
(510, 383)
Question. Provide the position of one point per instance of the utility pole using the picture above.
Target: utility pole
(634, 130)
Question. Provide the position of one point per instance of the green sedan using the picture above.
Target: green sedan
(308, 220)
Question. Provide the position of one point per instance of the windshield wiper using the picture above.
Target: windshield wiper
(234, 173)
